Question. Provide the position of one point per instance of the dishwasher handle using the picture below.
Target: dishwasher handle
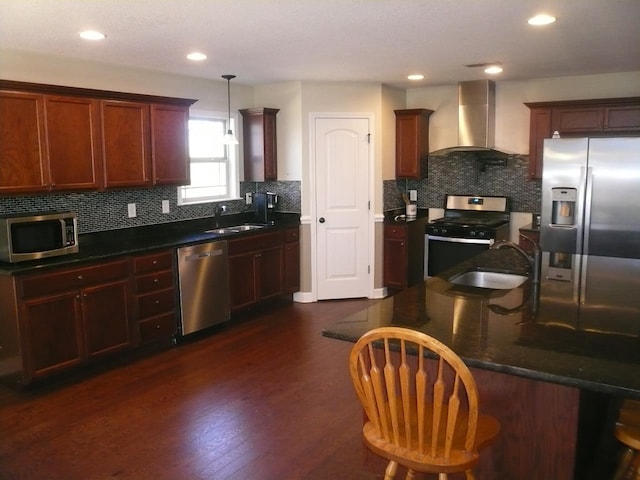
(203, 255)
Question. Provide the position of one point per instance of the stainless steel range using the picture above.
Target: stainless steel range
(470, 225)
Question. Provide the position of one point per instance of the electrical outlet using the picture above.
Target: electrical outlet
(413, 195)
(165, 206)
(248, 198)
(131, 210)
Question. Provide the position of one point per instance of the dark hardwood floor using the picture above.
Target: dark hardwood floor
(266, 397)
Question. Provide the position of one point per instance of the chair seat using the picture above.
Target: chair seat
(459, 460)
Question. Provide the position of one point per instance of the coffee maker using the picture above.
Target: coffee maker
(265, 205)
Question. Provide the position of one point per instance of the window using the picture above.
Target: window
(213, 165)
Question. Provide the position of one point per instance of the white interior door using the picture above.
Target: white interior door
(342, 207)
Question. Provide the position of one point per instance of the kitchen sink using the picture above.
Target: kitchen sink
(234, 229)
(494, 280)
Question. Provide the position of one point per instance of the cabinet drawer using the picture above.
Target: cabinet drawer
(154, 281)
(154, 262)
(292, 235)
(157, 302)
(161, 327)
(71, 279)
(254, 243)
(392, 231)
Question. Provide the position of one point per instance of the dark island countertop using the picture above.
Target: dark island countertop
(534, 341)
(113, 243)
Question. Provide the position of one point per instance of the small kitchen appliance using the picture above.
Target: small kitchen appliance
(31, 236)
(265, 205)
(470, 225)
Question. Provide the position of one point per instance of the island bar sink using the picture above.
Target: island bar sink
(494, 280)
(234, 229)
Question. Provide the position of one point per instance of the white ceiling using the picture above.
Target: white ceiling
(268, 41)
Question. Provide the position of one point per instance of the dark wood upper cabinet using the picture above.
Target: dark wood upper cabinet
(259, 144)
(578, 118)
(23, 143)
(65, 138)
(126, 143)
(412, 142)
(73, 138)
(169, 144)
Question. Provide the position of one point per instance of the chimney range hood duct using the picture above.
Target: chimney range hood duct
(476, 120)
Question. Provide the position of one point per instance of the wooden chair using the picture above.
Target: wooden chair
(627, 431)
(421, 414)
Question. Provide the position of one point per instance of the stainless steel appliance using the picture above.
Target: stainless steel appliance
(265, 204)
(470, 225)
(590, 232)
(30, 236)
(204, 286)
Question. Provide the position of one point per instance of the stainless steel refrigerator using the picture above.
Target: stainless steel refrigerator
(590, 234)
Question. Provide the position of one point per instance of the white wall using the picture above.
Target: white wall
(512, 116)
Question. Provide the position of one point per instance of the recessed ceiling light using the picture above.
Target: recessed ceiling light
(415, 76)
(541, 19)
(92, 35)
(197, 56)
(493, 69)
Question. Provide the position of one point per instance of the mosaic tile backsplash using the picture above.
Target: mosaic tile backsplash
(100, 211)
(460, 174)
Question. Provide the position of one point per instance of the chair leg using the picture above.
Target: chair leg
(469, 475)
(390, 472)
(411, 475)
(442, 476)
(624, 464)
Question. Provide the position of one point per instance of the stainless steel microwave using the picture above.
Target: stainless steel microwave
(30, 236)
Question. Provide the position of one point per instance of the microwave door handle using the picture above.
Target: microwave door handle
(63, 227)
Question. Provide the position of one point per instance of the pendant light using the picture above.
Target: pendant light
(229, 138)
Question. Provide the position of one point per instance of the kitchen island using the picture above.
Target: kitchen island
(552, 384)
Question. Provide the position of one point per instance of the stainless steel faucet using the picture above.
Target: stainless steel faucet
(217, 212)
(534, 260)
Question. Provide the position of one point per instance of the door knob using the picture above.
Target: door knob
(321, 219)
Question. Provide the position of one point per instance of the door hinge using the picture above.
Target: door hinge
(369, 138)
(369, 205)
(369, 269)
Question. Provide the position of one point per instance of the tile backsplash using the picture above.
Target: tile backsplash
(460, 174)
(100, 211)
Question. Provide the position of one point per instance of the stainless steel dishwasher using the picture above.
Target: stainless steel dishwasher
(203, 275)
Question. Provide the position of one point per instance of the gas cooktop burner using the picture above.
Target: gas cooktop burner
(470, 222)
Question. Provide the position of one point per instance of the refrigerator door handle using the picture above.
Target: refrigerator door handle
(583, 279)
(587, 210)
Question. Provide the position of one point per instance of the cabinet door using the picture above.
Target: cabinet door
(259, 144)
(105, 316)
(395, 262)
(126, 144)
(242, 280)
(412, 143)
(540, 128)
(292, 267)
(23, 148)
(52, 330)
(169, 144)
(574, 120)
(622, 118)
(73, 138)
(270, 272)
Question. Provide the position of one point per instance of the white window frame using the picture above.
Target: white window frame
(232, 163)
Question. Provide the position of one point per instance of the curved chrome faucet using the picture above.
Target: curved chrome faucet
(534, 260)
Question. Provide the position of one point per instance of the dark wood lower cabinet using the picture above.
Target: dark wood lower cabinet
(256, 269)
(404, 253)
(71, 315)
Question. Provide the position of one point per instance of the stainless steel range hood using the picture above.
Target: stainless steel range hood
(476, 120)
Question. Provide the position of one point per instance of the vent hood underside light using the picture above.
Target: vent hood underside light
(476, 121)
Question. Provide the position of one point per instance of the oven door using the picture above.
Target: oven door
(442, 253)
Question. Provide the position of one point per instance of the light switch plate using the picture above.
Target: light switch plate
(165, 206)
(248, 198)
(131, 210)
(413, 195)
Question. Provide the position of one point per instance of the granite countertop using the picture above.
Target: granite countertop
(534, 341)
(113, 243)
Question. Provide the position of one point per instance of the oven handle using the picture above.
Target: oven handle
(476, 241)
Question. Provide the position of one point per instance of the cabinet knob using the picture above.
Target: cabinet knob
(155, 262)
(155, 280)
(157, 302)
(79, 277)
(157, 327)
